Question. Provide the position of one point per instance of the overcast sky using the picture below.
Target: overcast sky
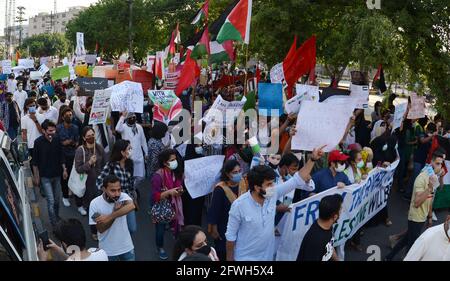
(34, 7)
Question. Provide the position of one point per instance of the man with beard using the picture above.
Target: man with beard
(108, 212)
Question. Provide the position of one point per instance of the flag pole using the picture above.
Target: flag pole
(246, 71)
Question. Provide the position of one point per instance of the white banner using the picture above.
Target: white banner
(361, 202)
(6, 67)
(127, 96)
(361, 95)
(399, 114)
(201, 174)
(277, 73)
(100, 107)
(321, 124)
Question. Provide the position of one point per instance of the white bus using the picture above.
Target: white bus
(17, 235)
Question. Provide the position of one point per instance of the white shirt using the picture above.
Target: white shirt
(12, 85)
(51, 114)
(32, 131)
(57, 104)
(432, 245)
(137, 142)
(20, 98)
(117, 239)
(96, 255)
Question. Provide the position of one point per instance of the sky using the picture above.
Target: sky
(34, 7)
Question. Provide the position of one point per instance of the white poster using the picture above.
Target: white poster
(100, 107)
(151, 63)
(225, 111)
(35, 75)
(201, 174)
(6, 67)
(399, 114)
(311, 92)
(361, 202)
(361, 94)
(43, 69)
(277, 73)
(417, 109)
(293, 105)
(26, 63)
(127, 96)
(80, 50)
(321, 124)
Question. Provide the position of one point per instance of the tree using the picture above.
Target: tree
(43, 45)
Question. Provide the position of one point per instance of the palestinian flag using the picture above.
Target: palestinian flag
(203, 47)
(237, 24)
(202, 13)
(379, 80)
(221, 52)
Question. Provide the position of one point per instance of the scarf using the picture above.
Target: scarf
(170, 183)
(133, 128)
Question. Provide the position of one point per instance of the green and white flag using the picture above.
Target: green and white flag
(237, 24)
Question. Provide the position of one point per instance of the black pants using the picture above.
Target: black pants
(64, 182)
(192, 209)
(414, 231)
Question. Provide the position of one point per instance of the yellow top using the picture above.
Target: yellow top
(420, 214)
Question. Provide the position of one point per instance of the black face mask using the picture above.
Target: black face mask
(131, 122)
(206, 250)
(273, 166)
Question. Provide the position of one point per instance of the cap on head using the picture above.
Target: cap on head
(336, 156)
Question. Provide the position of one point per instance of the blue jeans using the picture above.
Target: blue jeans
(124, 257)
(417, 168)
(52, 191)
(131, 221)
(160, 228)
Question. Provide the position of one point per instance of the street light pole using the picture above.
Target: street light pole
(130, 33)
(20, 19)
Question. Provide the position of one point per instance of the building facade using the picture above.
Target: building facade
(52, 23)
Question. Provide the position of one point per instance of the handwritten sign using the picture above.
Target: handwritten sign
(417, 109)
(100, 107)
(321, 124)
(277, 73)
(361, 95)
(311, 92)
(270, 99)
(92, 84)
(6, 66)
(43, 69)
(293, 105)
(202, 174)
(26, 63)
(224, 112)
(166, 105)
(399, 114)
(127, 96)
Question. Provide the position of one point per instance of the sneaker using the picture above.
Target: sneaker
(66, 202)
(162, 254)
(82, 211)
(434, 217)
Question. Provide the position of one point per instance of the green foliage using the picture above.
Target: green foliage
(42, 45)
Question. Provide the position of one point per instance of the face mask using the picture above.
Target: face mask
(173, 165)
(131, 121)
(199, 150)
(385, 147)
(360, 164)
(273, 166)
(269, 192)
(63, 100)
(32, 109)
(340, 168)
(236, 177)
(206, 250)
(287, 177)
(90, 140)
(50, 136)
(145, 102)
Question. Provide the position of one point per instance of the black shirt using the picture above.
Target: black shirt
(48, 157)
(13, 116)
(317, 245)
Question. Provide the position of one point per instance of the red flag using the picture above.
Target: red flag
(96, 47)
(190, 72)
(302, 62)
(258, 73)
(205, 40)
(290, 55)
(229, 48)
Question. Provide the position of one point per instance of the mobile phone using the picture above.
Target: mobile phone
(45, 240)
(95, 216)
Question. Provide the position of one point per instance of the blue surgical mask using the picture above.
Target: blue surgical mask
(236, 177)
(287, 177)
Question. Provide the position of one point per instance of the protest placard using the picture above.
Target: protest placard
(321, 124)
(361, 95)
(91, 59)
(44, 60)
(417, 109)
(6, 67)
(293, 105)
(26, 63)
(92, 84)
(311, 92)
(80, 50)
(361, 202)
(166, 105)
(35, 75)
(224, 112)
(277, 73)
(43, 69)
(202, 174)
(172, 79)
(100, 107)
(60, 73)
(399, 114)
(270, 98)
(127, 96)
(81, 70)
(151, 63)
